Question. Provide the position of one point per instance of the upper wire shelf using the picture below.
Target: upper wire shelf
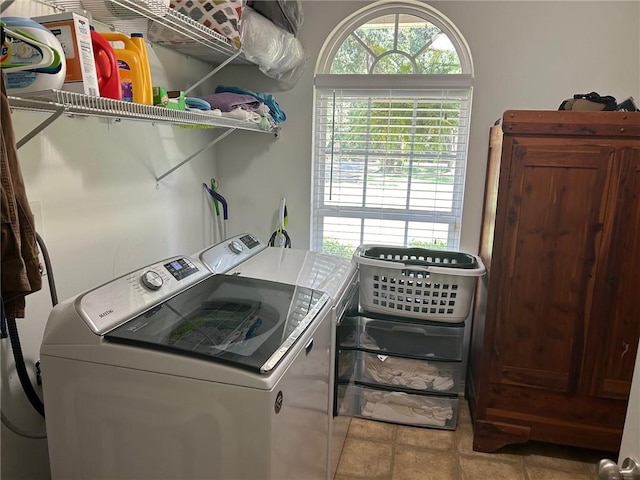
(160, 25)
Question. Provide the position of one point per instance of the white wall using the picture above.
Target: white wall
(91, 184)
(527, 55)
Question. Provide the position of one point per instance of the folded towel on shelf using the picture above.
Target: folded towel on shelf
(241, 114)
(264, 122)
(228, 101)
(266, 98)
(197, 103)
(211, 113)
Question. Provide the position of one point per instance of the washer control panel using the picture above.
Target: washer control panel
(224, 256)
(111, 304)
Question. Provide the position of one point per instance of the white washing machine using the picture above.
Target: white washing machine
(172, 372)
(333, 275)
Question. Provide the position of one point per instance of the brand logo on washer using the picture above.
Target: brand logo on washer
(104, 314)
(278, 405)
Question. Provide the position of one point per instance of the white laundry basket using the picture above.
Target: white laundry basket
(435, 285)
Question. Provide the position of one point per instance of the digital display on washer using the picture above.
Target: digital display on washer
(180, 268)
(242, 321)
(249, 241)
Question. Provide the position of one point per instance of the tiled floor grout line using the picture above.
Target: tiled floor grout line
(394, 439)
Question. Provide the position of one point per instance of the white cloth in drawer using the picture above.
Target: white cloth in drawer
(400, 407)
(405, 372)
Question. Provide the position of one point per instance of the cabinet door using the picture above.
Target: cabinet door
(615, 319)
(553, 213)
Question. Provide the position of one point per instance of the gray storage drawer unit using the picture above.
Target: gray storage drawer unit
(411, 338)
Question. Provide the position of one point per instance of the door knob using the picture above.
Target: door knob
(608, 470)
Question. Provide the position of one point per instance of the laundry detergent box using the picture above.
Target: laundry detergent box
(74, 34)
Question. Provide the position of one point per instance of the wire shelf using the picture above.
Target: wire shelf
(77, 103)
(164, 26)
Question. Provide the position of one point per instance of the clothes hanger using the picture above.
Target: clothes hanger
(50, 63)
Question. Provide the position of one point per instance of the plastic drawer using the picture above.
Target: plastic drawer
(347, 332)
(409, 374)
(346, 394)
(346, 364)
(412, 339)
(407, 409)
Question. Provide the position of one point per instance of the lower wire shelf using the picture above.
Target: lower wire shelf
(60, 102)
(77, 103)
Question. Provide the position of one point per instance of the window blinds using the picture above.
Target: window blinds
(389, 167)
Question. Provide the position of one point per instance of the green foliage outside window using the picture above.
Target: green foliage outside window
(333, 246)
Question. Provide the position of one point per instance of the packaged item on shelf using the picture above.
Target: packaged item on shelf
(133, 67)
(278, 53)
(218, 15)
(285, 14)
(170, 99)
(73, 32)
(31, 56)
(106, 67)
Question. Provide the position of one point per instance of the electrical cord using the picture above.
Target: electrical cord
(7, 423)
(47, 265)
(21, 368)
(287, 240)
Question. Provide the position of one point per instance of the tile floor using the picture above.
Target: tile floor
(382, 451)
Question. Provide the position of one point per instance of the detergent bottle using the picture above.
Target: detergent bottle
(107, 69)
(135, 86)
(138, 41)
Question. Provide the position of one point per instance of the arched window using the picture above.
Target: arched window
(393, 90)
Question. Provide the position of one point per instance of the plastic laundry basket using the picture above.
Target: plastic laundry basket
(417, 283)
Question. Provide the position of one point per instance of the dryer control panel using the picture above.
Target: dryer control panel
(113, 303)
(224, 256)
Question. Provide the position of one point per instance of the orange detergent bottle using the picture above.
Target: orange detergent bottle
(138, 41)
(133, 68)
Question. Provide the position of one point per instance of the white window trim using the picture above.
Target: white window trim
(384, 7)
(324, 81)
(327, 81)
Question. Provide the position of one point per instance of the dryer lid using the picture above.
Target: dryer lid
(244, 322)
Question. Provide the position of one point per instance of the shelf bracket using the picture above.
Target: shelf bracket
(58, 110)
(212, 72)
(5, 4)
(190, 157)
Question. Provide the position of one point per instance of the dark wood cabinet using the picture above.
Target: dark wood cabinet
(557, 318)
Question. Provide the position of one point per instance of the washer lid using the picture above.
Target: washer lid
(310, 269)
(244, 322)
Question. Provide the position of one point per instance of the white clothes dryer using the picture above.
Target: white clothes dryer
(335, 276)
